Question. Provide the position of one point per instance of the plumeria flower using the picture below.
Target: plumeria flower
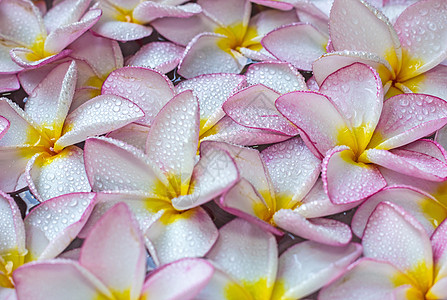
(126, 20)
(273, 187)
(40, 39)
(164, 185)
(248, 267)
(406, 56)
(353, 130)
(112, 266)
(223, 37)
(401, 260)
(42, 138)
(46, 231)
(95, 58)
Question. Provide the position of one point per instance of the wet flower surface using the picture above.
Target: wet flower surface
(223, 149)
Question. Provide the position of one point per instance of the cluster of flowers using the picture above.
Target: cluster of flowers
(235, 182)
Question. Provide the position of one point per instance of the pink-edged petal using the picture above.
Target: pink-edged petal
(51, 176)
(97, 116)
(326, 231)
(22, 129)
(61, 37)
(227, 12)
(8, 83)
(102, 55)
(248, 254)
(21, 57)
(244, 201)
(148, 11)
(279, 76)
(293, 170)
(12, 233)
(431, 82)
(421, 30)
(218, 288)
(306, 267)
(317, 203)
(161, 56)
(357, 92)
(226, 130)
(429, 147)
(115, 252)
(346, 25)
(214, 174)
(173, 139)
(366, 279)
(182, 30)
(133, 170)
(219, 88)
(422, 206)
(12, 27)
(196, 229)
(299, 44)
(147, 88)
(394, 236)
(132, 134)
(439, 243)
(410, 163)
(182, 279)
(210, 53)
(261, 55)
(281, 5)
(50, 101)
(408, 117)
(65, 13)
(122, 31)
(58, 279)
(54, 224)
(317, 117)
(346, 180)
(254, 107)
(331, 62)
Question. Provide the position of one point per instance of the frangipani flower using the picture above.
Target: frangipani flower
(273, 187)
(406, 56)
(29, 40)
(46, 231)
(401, 260)
(248, 267)
(353, 129)
(112, 266)
(223, 37)
(41, 138)
(165, 185)
(125, 20)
